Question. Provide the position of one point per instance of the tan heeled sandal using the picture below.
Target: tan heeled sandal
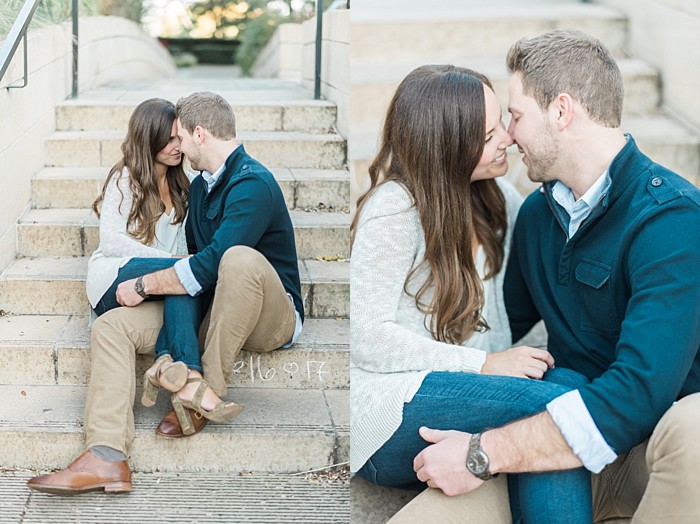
(221, 412)
(166, 374)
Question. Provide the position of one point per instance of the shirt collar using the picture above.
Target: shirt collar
(211, 178)
(565, 196)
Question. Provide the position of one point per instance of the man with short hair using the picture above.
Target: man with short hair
(607, 253)
(241, 238)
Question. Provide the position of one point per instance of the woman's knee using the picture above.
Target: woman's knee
(566, 377)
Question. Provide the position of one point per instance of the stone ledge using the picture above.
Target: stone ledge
(281, 430)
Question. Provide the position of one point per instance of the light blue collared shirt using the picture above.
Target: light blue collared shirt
(568, 411)
(190, 282)
(578, 210)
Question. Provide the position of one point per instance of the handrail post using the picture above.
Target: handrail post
(319, 42)
(26, 67)
(74, 91)
(18, 30)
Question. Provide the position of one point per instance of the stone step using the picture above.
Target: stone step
(280, 431)
(274, 148)
(75, 232)
(474, 32)
(375, 86)
(77, 187)
(211, 497)
(56, 286)
(311, 116)
(45, 349)
(667, 142)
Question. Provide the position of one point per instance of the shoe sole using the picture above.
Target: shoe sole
(110, 487)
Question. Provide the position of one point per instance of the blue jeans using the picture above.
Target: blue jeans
(472, 402)
(182, 314)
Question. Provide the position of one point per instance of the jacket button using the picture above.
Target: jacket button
(656, 181)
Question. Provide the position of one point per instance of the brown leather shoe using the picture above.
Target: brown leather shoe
(169, 427)
(86, 473)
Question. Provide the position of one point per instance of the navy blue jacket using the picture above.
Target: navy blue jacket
(621, 299)
(245, 207)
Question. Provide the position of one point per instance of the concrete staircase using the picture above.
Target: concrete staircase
(296, 416)
(389, 40)
(479, 38)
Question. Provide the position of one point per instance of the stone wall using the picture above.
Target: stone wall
(665, 33)
(110, 49)
(281, 57)
(335, 59)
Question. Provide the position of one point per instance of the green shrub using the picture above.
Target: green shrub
(256, 33)
(56, 11)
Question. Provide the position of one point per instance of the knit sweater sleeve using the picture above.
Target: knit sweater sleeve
(115, 239)
(384, 252)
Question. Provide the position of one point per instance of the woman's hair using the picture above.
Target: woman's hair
(433, 139)
(149, 131)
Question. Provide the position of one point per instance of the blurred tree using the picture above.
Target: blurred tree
(131, 9)
(253, 22)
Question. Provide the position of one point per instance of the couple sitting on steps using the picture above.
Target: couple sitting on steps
(450, 268)
(213, 262)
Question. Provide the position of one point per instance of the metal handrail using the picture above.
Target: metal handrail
(74, 17)
(319, 41)
(18, 31)
(319, 46)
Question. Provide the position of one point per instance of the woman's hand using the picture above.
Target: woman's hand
(521, 361)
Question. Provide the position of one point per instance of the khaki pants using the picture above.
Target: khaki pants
(657, 482)
(250, 310)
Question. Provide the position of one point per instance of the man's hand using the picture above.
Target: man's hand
(127, 295)
(444, 464)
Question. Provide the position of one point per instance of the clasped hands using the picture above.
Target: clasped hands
(443, 465)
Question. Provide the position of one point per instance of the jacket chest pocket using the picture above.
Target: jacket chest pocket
(212, 213)
(598, 314)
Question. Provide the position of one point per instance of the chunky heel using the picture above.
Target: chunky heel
(164, 373)
(150, 392)
(118, 487)
(221, 412)
(183, 416)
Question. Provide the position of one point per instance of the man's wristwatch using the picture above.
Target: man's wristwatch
(140, 288)
(478, 460)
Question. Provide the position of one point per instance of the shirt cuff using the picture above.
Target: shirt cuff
(577, 426)
(187, 278)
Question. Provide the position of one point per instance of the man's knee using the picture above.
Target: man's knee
(240, 261)
(678, 430)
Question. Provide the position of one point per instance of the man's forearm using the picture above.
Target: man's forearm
(531, 444)
(163, 282)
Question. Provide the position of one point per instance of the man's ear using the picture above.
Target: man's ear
(198, 134)
(564, 107)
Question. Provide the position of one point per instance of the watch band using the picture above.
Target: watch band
(478, 460)
(140, 288)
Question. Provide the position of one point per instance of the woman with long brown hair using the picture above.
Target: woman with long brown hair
(430, 340)
(142, 210)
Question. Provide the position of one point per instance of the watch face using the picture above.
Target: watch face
(477, 462)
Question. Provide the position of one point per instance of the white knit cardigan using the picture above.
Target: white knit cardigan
(391, 350)
(118, 246)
